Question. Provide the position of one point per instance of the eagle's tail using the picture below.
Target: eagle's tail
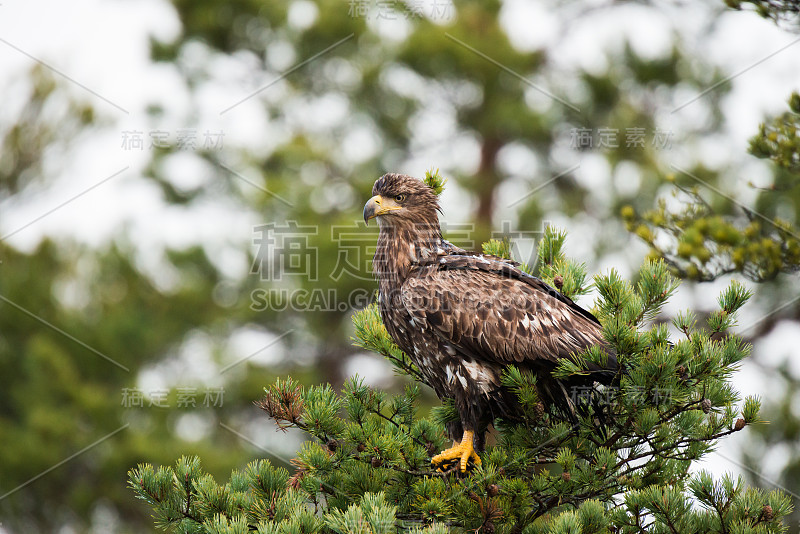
(587, 394)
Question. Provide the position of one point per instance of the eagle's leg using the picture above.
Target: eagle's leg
(463, 452)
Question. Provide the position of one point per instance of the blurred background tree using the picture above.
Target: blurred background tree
(296, 108)
(79, 327)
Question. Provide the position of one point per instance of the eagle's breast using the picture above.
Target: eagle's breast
(444, 367)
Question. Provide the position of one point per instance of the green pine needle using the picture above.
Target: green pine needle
(435, 181)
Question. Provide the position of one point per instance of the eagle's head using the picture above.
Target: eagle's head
(401, 200)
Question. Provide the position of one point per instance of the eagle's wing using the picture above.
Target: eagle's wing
(488, 309)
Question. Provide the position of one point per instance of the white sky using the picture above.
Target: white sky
(103, 45)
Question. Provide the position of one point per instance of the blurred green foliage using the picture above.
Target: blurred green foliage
(60, 395)
(711, 238)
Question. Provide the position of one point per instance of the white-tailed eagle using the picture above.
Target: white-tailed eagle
(463, 317)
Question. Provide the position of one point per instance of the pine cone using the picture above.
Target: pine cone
(767, 514)
(739, 424)
(565, 477)
(705, 405)
(493, 490)
(558, 280)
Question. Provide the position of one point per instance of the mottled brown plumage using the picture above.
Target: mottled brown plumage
(462, 317)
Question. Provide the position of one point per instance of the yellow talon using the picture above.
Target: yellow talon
(463, 452)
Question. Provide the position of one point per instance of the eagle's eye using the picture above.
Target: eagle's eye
(399, 198)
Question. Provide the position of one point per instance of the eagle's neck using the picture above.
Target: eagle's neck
(400, 247)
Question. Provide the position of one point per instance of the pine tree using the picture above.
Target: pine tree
(624, 467)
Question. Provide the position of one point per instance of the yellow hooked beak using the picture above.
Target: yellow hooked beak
(377, 206)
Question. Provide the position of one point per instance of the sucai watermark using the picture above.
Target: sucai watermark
(606, 138)
(288, 260)
(310, 300)
(412, 9)
(185, 397)
(189, 139)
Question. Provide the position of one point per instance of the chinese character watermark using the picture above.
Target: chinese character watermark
(287, 259)
(284, 251)
(582, 395)
(356, 249)
(523, 243)
(185, 397)
(609, 138)
(186, 139)
(412, 9)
